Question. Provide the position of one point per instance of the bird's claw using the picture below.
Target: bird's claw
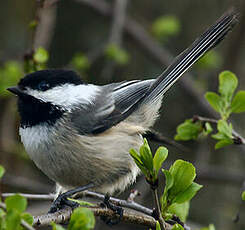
(116, 209)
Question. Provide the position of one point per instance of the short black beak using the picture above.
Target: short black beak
(16, 90)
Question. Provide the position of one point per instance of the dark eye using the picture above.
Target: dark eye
(42, 86)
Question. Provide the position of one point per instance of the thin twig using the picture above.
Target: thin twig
(237, 137)
(41, 197)
(123, 203)
(22, 222)
(157, 206)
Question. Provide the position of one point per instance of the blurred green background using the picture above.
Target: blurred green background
(119, 40)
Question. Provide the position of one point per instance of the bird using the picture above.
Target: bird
(80, 134)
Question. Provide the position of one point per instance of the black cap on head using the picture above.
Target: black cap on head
(46, 79)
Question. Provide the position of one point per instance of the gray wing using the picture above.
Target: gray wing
(114, 103)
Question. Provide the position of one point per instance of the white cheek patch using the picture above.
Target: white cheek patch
(67, 95)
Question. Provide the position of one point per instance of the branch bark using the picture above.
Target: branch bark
(64, 215)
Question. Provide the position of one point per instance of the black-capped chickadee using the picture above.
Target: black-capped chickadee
(78, 133)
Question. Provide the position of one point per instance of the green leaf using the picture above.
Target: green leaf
(117, 54)
(177, 227)
(2, 171)
(188, 194)
(146, 156)
(180, 210)
(210, 227)
(16, 202)
(158, 227)
(135, 156)
(13, 220)
(160, 156)
(227, 84)
(215, 101)
(82, 218)
(188, 130)
(208, 128)
(184, 174)
(56, 226)
(224, 134)
(41, 55)
(138, 161)
(238, 102)
(223, 143)
(80, 62)
(169, 180)
(165, 27)
(225, 128)
(243, 195)
(219, 136)
(27, 217)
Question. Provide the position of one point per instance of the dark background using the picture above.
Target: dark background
(69, 27)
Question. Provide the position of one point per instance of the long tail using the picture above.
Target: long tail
(181, 64)
(209, 39)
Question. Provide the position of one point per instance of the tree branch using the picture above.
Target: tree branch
(123, 203)
(64, 215)
(117, 27)
(238, 139)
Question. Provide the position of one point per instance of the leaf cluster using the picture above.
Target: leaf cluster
(225, 103)
(148, 164)
(179, 188)
(10, 219)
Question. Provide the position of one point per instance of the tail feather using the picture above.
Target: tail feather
(181, 64)
(209, 39)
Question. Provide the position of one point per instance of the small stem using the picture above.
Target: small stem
(238, 138)
(157, 205)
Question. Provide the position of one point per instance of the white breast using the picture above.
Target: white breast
(32, 137)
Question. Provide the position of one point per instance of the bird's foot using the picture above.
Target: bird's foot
(116, 209)
(62, 200)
